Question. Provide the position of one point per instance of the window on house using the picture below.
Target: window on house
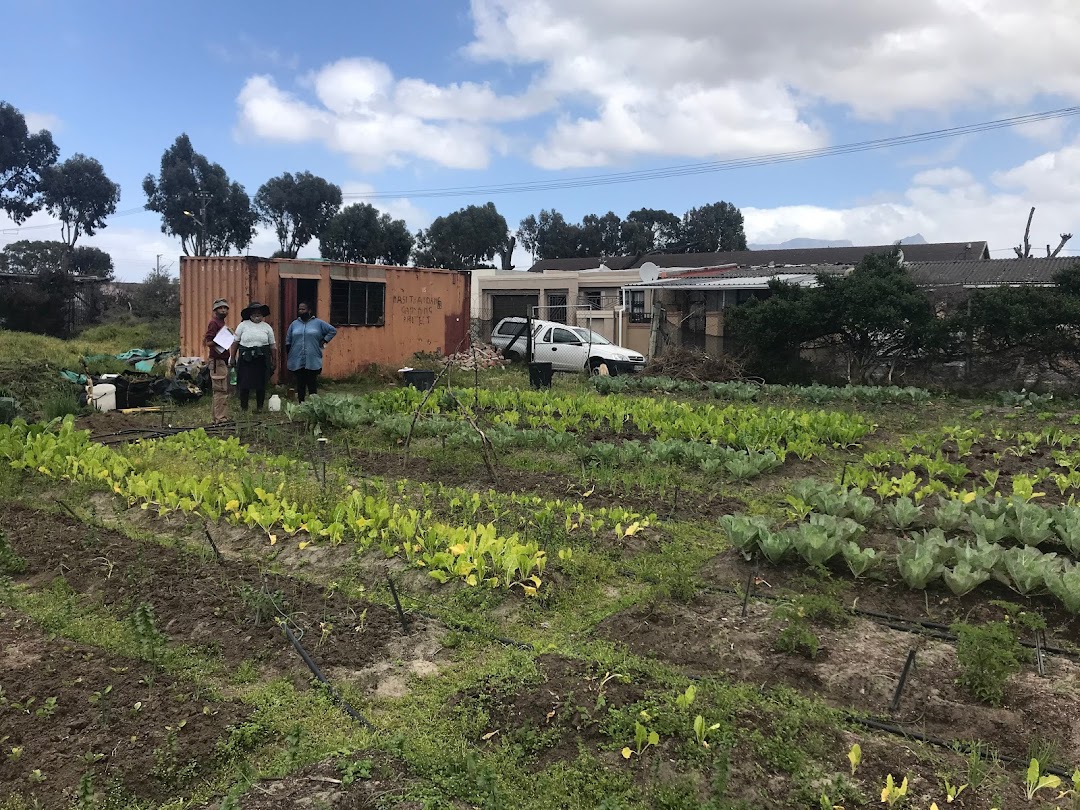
(637, 307)
(357, 303)
(557, 307)
(593, 299)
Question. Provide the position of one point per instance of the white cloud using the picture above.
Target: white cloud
(36, 121)
(946, 205)
(133, 249)
(359, 109)
(687, 120)
(630, 62)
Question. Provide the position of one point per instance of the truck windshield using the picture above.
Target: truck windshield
(588, 336)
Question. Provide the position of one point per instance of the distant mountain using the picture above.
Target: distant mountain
(793, 244)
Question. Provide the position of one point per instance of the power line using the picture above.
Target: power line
(682, 170)
(16, 229)
(689, 169)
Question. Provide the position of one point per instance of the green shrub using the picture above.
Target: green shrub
(989, 656)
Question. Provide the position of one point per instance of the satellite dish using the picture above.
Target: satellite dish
(649, 272)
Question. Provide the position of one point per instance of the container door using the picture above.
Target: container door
(286, 314)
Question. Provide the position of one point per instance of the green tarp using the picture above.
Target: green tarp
(144, 362)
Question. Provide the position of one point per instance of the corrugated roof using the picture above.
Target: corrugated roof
(942, 251)
(751, 271)
(994, 272)
(741, 282)
(939, 251)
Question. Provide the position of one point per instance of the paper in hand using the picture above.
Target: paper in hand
(224, 338)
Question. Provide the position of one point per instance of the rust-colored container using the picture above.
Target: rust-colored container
(383, 314)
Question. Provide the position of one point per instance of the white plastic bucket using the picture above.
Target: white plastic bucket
(103, 395)
(274, 404)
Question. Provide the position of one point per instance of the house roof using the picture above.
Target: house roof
(940, 251)
(993, 273)
(759, 281)
(583, 263)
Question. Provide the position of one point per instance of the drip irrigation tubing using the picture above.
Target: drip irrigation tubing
(929, 629)
(334, 694)
(953, 745)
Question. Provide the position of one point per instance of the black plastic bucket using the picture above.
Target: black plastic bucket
(422, 380)
(540, 375)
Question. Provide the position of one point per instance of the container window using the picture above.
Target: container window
(357, 303)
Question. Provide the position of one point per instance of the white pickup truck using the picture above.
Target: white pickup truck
(567, 348)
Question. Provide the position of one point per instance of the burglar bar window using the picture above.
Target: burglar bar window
(637, 307)
(357, 303)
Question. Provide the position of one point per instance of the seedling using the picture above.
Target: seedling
(85, 798)
(37, 776)
(1035, 781)
(47, 709)
(352, 771)
(684, 700)
(855, 757)
(892, 794)
(953, 791)
(643, 738)
(15, 752)
(147, 636)
(701, 731)
(101, 701)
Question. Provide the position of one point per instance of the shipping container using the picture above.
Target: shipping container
(384, 315)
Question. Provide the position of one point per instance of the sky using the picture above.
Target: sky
(392, 101)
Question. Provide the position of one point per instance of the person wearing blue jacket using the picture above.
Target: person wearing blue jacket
(304, 343)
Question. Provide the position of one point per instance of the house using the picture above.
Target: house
(592, 298)
(384, 315)
(693, 299)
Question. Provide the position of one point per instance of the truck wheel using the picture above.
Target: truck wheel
(514, 356)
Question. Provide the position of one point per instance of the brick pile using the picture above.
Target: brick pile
(481, 355)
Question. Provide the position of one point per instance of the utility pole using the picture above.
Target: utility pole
(202, 196)
(157, 265)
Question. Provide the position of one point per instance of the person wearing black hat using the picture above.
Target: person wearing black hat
(218, 362)
(254, 353)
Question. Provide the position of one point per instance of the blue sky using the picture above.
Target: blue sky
(415, 95)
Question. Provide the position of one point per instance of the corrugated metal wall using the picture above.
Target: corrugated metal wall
(426, 310)
(203, 279)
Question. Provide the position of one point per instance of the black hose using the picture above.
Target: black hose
(929, 629)
(908, 664)
(334, 695)
(953, 745)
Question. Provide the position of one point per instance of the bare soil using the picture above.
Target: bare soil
(857, 668)
(321, 785)
(889, 595)
(147, 738)
(227, 609)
